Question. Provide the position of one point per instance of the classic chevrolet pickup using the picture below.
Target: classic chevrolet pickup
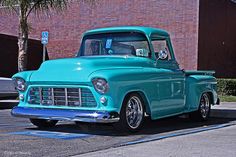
(120, 75)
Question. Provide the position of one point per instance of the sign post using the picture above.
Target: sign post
(44, 41)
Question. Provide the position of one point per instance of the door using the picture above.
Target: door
(217, 37)
(170, 82)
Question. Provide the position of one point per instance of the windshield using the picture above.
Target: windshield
(129, 43)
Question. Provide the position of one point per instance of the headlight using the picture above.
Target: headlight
(100, 85)
(20, 84)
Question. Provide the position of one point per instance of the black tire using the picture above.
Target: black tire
(204, 109)
(81, 123)
(124, 124)
(43, 123)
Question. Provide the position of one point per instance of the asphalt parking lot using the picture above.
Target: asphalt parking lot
(19, 138)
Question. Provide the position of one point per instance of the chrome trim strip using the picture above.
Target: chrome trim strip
(80, 97)
(40, 95)
(52, 96)
(66, 97)
(66, 114)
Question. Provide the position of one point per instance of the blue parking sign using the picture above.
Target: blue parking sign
(44, 39)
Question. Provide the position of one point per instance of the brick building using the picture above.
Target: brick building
(180, 18)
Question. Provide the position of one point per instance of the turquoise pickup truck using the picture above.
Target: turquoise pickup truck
(120, 75)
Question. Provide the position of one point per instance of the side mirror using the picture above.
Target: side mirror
(162, 54)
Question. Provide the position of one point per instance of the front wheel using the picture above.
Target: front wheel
(203, 112)
(132, 114)
(43, 123)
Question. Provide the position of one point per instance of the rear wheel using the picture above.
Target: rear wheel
(203, 112)
(132, 114)
(43, 123)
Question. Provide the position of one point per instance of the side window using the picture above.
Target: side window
(161, 49)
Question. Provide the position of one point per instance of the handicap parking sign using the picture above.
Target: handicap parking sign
(44, 39)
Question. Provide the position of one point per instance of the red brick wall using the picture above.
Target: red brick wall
(179, 17)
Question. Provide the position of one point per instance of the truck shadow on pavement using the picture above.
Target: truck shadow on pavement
(150, 127)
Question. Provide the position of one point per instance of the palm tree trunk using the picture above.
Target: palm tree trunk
(22, 42)
(22, 52)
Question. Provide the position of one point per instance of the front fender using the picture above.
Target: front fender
(123, 81)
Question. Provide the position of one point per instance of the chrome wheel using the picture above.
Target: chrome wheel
(134, 112)
(131, 114)
(204, 106)
(204, 109)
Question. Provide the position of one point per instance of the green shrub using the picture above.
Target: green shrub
(226, 86)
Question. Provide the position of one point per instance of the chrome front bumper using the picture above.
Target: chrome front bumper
(65, 114)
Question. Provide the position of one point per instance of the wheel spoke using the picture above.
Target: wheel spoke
(204, 105)
(134, 112)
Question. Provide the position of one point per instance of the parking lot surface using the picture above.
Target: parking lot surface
(213, 143)
(19, 138)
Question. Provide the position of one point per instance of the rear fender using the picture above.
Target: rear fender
(196, 85)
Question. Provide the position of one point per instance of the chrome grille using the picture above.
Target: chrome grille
(74, 97)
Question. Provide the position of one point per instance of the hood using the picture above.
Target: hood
(79, 69)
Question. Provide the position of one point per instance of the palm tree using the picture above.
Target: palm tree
(23, 8)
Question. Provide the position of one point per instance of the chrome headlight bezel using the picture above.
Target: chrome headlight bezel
(20, 84)
(100, 85)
